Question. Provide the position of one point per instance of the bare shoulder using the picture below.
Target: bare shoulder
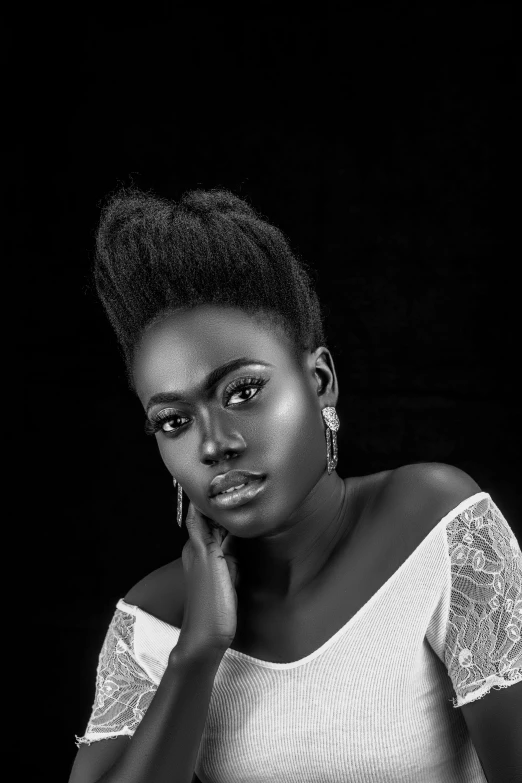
(423, 493)
(435, 480)
(161, 593)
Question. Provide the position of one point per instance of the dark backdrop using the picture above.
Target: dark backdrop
(382, 141)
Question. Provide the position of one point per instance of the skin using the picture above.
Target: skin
(283, 539)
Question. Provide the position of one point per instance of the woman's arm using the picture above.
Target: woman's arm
(165, 745)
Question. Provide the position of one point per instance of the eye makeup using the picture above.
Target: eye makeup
(157, 421)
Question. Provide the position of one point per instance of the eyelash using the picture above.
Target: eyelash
(156, 422)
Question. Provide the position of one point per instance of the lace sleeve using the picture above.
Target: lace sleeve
(123, 689)
(483, 646)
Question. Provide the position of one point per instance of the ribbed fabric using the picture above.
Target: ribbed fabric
(377, 701)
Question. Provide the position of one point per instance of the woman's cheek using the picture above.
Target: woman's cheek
(166, 453)
(292, 424)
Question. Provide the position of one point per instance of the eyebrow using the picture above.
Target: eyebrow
(210, 381)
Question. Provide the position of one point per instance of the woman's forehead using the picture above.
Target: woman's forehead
(205, 331)
(184, 347)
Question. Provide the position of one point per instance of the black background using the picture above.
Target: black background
(382, 140)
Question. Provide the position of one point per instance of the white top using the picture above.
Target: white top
(373, 703)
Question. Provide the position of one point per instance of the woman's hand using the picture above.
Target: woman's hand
(210, 616)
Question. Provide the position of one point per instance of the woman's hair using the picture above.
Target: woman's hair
(155, 256)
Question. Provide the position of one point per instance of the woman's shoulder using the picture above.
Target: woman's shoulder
(432, 486)
(403, 506)
(161, 593)
(415, 497)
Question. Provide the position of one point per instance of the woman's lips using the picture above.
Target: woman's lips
(230, 479)
(240, 496)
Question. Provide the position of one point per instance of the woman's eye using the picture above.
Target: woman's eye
(165, 422)
(168, 420)
(242, 391)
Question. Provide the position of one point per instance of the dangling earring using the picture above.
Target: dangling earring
(180, 500)
(332, 425)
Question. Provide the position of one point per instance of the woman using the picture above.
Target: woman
(316, 628)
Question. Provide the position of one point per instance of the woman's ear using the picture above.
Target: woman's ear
(323, 369)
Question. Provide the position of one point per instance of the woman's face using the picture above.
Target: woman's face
(264, 417)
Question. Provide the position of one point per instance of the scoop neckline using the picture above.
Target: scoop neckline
(329, 642)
